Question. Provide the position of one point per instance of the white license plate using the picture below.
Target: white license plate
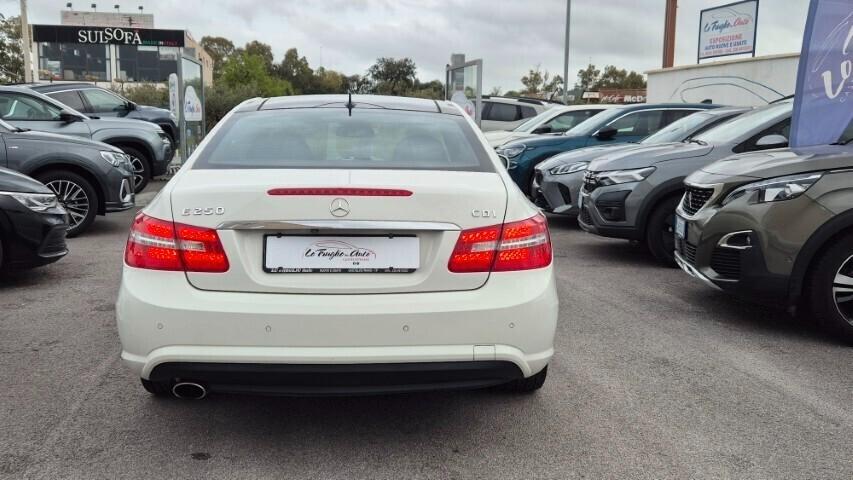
(341, 254)
(680, 227)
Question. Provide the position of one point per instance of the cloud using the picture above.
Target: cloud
(511, 36)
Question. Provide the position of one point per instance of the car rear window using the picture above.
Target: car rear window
(370, 138)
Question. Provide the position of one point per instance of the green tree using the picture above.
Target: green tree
(495, 91)
(295, 69)
(262, 50)
(328, 81)
(247, 69)
(537, 82)
(433, 90)
(588, 78)
(220, 50)
(11, 54)
(391, 76)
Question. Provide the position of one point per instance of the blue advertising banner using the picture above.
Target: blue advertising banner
(823, 103)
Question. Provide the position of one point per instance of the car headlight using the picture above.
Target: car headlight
(513, 151)
(37, 202)
(776, 189)
(615, 177)
(116, 159)
(164, 137)
(568, 168)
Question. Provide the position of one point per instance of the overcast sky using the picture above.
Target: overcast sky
(511, 36)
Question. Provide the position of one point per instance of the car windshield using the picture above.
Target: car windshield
(592, 124)
(679, 130)
(744, 124)
(533, 122)
(371, 138)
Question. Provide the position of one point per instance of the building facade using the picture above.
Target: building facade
(107, 48)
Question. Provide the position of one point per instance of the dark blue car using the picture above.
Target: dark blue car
(628, 123)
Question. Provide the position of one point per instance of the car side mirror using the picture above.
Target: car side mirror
(606, 133)
(130, 106)
(504, 161)
(542, 129)
(771, 141)
(69, 117)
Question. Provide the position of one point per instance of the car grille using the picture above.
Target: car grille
(726, 262)
(687, 250)
(695, 198)
(585, 217)
(590, 181)
(54, 242)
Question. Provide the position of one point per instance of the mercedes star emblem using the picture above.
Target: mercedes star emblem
(339, 207)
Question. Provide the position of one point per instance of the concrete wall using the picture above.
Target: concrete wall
(748, 82)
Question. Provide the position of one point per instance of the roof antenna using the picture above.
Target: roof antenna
(350, 105)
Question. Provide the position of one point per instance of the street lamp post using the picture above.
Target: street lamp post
(25, 40)
(566, 59)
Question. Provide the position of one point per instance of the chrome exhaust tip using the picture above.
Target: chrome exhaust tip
(189, 390)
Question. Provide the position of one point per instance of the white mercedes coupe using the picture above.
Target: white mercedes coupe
(339, 245)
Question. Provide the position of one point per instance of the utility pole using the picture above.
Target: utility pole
(25, 40)
(566, 60)
(669, 33)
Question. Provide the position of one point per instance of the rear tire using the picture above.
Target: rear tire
(76, 194)
(660, 233)
(158, 389)
(527, 385)
(830, 288)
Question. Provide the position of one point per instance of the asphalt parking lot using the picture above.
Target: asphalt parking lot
(655, 376)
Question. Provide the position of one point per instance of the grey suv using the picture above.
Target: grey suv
(775, 227)
(93, 100)
(89, 178)
(633, 194)
(147, 144)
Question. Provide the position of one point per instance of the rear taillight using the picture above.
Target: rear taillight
(157, 244)
(523, 245)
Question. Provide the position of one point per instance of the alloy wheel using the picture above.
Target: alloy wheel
(73, 198)
(138, 171)
(842, 290)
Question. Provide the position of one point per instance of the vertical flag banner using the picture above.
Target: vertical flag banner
(823, 104)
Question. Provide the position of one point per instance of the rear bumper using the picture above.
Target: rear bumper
(339, 379)
(163, 320)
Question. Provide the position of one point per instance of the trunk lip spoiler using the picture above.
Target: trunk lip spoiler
(338, 225)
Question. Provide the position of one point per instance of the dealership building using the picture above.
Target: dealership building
(112, 47)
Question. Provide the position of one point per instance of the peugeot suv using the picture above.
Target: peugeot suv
(326, 244)
(558, 180)
(633, 194)
(149, 148)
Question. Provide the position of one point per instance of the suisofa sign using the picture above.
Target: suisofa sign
(728, 30)
(108, 35)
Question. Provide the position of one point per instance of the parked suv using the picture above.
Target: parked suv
(558, 180)
(776, 227)
(93, 100)
(90, 178)
(633, 194)
(554, 120)
(506, 113)
(627, 123)
(148, 146)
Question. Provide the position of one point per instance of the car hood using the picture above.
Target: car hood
(144, 111)
(497, 138)
(785, 161)
(11, 181)
(105, 123)
(648, 155)
(64, 140)
(585, 154)
(544, 140)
